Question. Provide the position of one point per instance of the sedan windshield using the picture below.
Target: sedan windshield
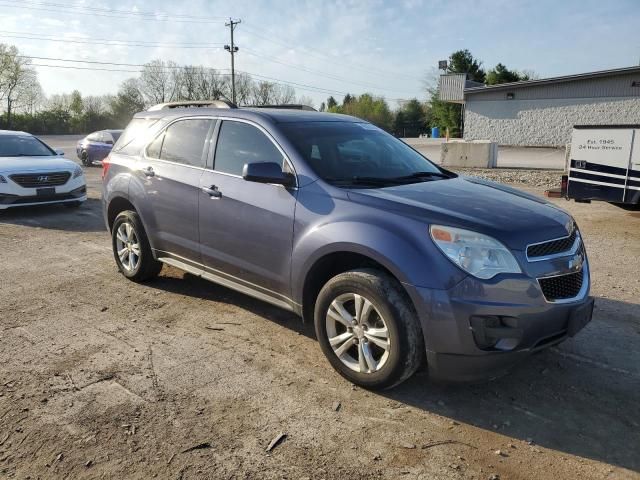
(23, 146)
(349, 153)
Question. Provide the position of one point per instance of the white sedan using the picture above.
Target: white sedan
(32, 173)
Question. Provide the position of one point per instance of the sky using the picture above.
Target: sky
(321, 47)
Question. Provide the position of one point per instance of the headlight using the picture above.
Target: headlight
(77, 172)
(481, 256)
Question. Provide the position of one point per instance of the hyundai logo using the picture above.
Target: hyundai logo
(43, 178)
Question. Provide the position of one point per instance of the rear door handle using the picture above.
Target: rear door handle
(148, 171)
(212, 191)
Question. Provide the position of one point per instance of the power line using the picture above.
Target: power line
(190, 45)
(323, 56)
(108, 13)
(300, 86)
(316, 72)
(163, 16)
(112, 43)
(115, 11)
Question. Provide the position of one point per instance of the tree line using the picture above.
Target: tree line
(25, 107)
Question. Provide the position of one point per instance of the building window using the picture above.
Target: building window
(510, 96)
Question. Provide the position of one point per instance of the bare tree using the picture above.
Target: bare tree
(263, 93)
(31, 96)
(308, 101)
(283, 94)
(94, 105)
(189, 76)
(160, 81)
(212, 85)
(61, 102)
(244, 88)
(16, 78)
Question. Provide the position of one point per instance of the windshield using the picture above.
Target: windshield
(359, 153)
(23, 146)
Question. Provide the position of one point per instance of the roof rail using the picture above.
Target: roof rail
(191, 104)
(287, 106)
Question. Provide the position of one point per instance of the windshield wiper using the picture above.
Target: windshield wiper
(419, 175)
(374, 181)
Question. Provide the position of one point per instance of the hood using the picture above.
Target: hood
(513, 217)
(10, 165)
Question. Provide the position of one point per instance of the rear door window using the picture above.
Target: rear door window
(184, 141)
(240, 143)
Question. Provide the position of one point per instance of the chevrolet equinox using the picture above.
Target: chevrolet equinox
(395, 260)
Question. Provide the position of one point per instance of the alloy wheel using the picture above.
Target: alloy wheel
(357, 333)
(128, 246)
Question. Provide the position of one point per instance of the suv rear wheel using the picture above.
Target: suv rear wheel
(367, 329)
(131, 248)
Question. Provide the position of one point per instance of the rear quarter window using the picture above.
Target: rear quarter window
(136, 135)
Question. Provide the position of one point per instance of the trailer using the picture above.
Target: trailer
(603, 163)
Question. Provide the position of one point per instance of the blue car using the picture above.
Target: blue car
(96, 146)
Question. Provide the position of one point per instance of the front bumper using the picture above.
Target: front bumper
(8, 200)
(478, 330)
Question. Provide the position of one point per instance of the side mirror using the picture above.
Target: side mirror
(59, 152)
(267, 172)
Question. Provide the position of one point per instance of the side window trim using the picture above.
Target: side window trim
(216, 137)
(205, 154)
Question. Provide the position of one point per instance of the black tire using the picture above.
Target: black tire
(146, 267)
(84, 156)
(72, 204)
(393, 308)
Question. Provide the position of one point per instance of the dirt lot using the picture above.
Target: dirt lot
(180, 378)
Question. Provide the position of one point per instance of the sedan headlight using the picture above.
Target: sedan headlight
(77, 172)
(480, 255)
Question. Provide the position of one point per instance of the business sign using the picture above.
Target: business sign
(606, 146)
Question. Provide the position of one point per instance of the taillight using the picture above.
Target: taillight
(105, 166)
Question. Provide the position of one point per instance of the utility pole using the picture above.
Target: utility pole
(232, 49)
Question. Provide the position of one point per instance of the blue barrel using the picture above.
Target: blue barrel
(435, 132)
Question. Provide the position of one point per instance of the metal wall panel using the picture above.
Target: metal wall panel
(620, 85)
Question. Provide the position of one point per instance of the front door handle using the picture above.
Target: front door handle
(212, 191)
(148, 171)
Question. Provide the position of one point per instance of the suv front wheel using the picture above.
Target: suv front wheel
(367, 329)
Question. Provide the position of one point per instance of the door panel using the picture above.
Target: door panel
(171, 206)
(247, 232)
(170, 171)
(246, 228)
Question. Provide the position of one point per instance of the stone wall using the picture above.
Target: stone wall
(545, 122)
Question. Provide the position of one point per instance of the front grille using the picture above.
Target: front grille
(37, 180)
(561, 287)
(552, 247)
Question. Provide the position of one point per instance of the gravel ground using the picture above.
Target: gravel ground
(179, 378)
(536, 179)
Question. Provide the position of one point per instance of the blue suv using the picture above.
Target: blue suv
(395, 260)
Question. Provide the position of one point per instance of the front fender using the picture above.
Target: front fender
(403, 248)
